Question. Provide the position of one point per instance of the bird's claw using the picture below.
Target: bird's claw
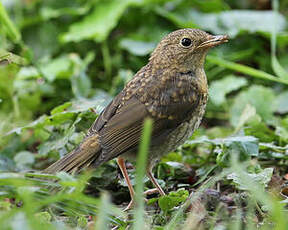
(147, 192)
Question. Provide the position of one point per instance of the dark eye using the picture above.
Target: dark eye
(186, 42)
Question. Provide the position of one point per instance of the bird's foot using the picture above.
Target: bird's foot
(147, 192)
(129, 206)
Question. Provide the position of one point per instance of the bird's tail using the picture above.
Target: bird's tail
(79, 158)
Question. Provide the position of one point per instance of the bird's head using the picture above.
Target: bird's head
(185, 49)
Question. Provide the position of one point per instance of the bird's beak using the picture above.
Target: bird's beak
(214, 41)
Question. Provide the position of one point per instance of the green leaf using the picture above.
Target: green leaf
(276, 66)
(43, 217)
(8, 58)
(49, 13)
(99, 23)
(257, 96)
(60, 67)
(173, 199)
(61, 108)
(138, 48)
(81, 84)
(247, 114)
(82, 222)
(278, 69)
(282, 102)
(243, 146)
(24, 159)
(220, 88)
(262, 178)
(230, 22)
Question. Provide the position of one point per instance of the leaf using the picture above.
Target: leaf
(248, 113)
(243, 146)
(97, 25)
(138, 48)
(260, 130)
(58, 143)
(282, 131)
(6, 163)
(81, 84)
(173, 199)
(57, 68)
(61, 108)
(49, 13)
(24, 159)
(262, 178)
(278, 69)
(8, 58)
(220, 88)
(276, 66)
(282, 102)
(43, 217)
(230, 22)
(97, 102)
(258, 97)
(11, 29)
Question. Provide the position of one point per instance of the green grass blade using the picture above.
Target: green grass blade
(276, 66)
(245, 69)
(140, 172)
(104, 209)
(12, 31)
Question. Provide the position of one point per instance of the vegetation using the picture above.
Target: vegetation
(63, 61)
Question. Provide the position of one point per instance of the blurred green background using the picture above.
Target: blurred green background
(62, 61)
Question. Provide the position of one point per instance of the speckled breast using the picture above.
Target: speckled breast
(178, 136)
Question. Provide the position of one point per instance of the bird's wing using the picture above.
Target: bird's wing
(122, 132)
(119, 126)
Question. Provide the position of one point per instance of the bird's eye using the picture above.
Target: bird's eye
(186, 42)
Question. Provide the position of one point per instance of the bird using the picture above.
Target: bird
(171, 89)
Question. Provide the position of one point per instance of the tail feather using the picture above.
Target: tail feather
(79, 158)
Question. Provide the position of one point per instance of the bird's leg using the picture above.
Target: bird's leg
(122, 166)
(154, 181)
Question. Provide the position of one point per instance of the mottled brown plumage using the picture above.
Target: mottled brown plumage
(171, 89)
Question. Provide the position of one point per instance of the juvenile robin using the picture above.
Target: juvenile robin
(171, 89)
